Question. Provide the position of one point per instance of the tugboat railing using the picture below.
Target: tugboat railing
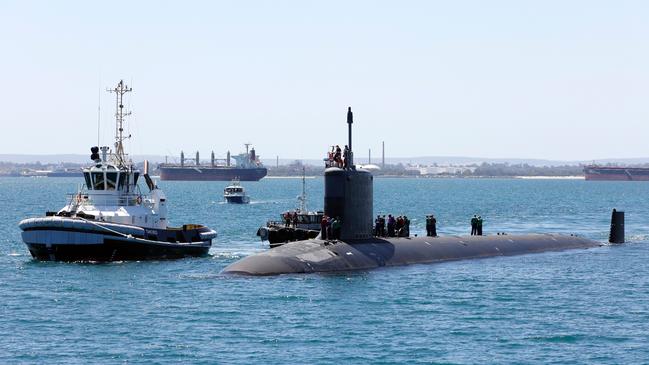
(127, 200)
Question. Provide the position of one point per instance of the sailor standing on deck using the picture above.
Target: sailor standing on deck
(323, 227)
(337, 226)
(474, 225)
(406, 226)
(391, 223)
(431, 226)
(330, 234)
(377, 226)
(338, 157)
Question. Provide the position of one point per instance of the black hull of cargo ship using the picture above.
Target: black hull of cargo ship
(200, 173)
(65, 174)
(596, 173)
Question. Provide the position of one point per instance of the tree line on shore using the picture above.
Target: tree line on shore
(297, 168)
(474, 170)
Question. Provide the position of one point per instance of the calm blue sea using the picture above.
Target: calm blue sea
(584, 306)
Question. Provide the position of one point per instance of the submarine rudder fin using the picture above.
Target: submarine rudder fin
(616, 234)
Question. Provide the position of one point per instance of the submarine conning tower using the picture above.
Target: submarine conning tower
(349, 195)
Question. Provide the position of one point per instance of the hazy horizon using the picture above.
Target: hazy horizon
(548, 80)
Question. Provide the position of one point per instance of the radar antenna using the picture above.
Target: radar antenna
(120, 114)
(349, 159)
(302, 198)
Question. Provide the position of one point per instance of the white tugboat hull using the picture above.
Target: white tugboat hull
(74, 239)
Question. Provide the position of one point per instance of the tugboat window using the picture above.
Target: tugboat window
(122, 179)
(98, 181)
(86, 175)
(111, 180)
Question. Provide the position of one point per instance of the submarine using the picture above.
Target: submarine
(348, 194)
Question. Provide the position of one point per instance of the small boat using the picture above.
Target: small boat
(110, 218)
(235, 193)
(297, 225)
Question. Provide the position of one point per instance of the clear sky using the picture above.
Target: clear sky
(530, 79)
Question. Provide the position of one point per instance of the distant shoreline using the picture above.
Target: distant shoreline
(550, 177)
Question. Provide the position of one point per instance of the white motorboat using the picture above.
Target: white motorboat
(235, 193)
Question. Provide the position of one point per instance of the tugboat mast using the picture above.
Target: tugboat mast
(303, 197)
(120, 114)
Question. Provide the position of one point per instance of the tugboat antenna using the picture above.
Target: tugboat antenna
(119, 91)
(99, 117)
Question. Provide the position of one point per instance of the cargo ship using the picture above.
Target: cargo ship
(247, 167)
(616, 173)
(65, 173)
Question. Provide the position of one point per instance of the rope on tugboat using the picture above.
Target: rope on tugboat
(129, 236)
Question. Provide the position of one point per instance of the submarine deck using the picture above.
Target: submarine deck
(316, 255)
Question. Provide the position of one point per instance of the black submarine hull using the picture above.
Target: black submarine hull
(312, 256)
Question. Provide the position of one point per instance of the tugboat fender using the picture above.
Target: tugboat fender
(64, 223)
(211, 234)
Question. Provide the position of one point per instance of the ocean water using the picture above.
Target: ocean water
(573, 307)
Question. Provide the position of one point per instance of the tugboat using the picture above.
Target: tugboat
(110, 218)
(234, 193)
(295, 225)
